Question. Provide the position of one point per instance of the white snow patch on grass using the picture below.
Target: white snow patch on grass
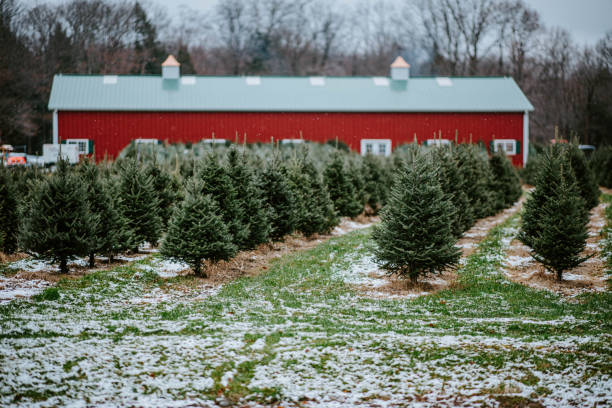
(14, 288)
(165, 268)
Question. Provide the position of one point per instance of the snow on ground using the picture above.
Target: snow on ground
(347, 225)
(165, 268)
(37, 265)
(15, 288)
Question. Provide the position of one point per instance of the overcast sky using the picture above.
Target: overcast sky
(587, 20)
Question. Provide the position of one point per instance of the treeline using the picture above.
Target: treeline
(570, 86)
(226, 200)
(208, 202)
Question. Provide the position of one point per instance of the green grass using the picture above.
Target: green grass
(301, 321)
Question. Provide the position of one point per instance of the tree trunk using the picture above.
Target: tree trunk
(559, 276)
(63, 265)
(197, 268)
(92, 260)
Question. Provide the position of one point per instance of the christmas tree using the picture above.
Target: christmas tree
(555, 217)
(197, 231)
(452, 185)
(343, 193)
(217, 182)
(279, 199)
(314, 209)
(585, 177)
(249, 195)
(505, 183)
(58, 223)
(415, 236)
(474, 169)
(106, 233)
(375, 183)
(166, 189)
(9, 216)
(139, 206)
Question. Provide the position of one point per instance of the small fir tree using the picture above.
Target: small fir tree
(555, 218)
(452, 184)
(279, 199)
(139, 206)
(474, 168)
(58, 223)
(341, 189)
(106, 233)
(197, 232)
(505, 182)
(415, 236)
(9, 215)
(166, 189)
(585, 177)
(248, 192)
(217, 182)
(314, 209)
(375, 183)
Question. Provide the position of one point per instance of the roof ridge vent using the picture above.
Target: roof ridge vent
(400, 70)
(171, 68)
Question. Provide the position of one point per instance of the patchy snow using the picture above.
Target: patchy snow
(515, 260)
(360, 272)
(347, 225)
(165, 268)
(15, 288)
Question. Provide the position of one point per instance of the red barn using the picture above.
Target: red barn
(369, 114)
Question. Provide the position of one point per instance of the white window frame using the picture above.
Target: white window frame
(438, 142)
(78, 143)
(146, 141)
(506, 143)
(292, 141)
(215, 140)
(376, 145)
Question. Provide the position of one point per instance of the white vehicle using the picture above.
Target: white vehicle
(69, 152)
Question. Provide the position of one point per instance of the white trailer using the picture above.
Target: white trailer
(69, 152)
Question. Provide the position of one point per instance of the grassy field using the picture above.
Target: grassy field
(300, 335)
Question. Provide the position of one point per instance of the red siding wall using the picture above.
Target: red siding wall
(112, 131)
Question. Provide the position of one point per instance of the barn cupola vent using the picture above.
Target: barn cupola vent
(400, 70)
(171, 69)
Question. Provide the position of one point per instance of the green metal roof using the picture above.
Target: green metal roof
(286, 94)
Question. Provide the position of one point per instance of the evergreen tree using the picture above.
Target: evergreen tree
(505, 182)
(452, 185)
(58, 222)
(585, 177)
(105, 235)
(248, 192)
(555, 217)
(138, 206)
(375, 183)
(197, 232)
(9, 215)
(415, 236)
(314, 209)
(166, 189)
(341, 190)
(279, 199)
(473, 167)
(217, 182)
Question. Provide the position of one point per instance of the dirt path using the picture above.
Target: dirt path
(590, 276)
(378, 285)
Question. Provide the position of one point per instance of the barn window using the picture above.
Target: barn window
(508, 146)
(381, 81)
(215, 140)
(253, 80)
(109, 79)
(146, 141)
(82, 145)
(317, 81)
(379, 147)
(292, 141)
(437, 142)
(188, 80)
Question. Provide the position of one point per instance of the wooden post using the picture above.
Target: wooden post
(415, 138)
(336, 142)
(301, 135)
(556, 134)
(236, 137)
(470, 138)
(456, 136)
